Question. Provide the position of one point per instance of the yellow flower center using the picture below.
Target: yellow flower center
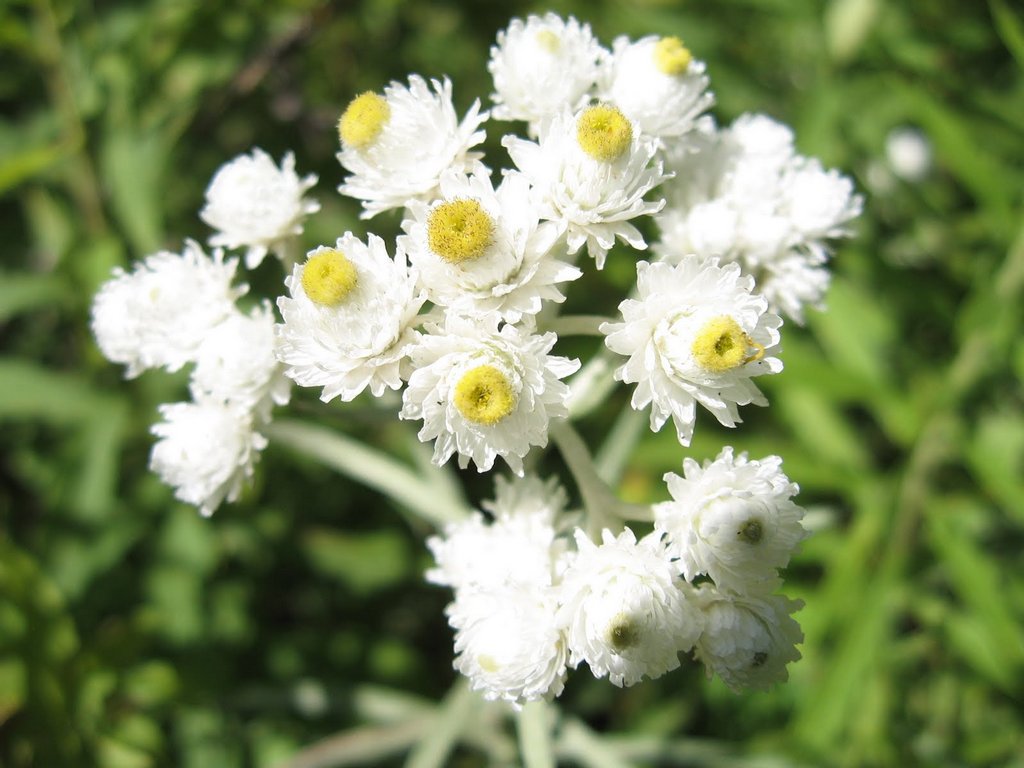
(459, 230)
(671, 56)
(722, 345)
(603, 132)
(363, 120)
(549, 41)
(328, 277)
(623, 633)
(484, 395)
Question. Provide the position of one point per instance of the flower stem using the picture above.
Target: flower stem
(433, 501)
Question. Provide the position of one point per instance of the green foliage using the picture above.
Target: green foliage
(135, 634)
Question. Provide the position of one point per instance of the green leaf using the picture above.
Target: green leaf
(22, 292)
(847, 25)
(1010, 29)
(364, 562)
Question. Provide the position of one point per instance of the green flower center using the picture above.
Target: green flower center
(671, 56)
(459, 230)
(722, 345)
(328, 277)
(751, 531)
(363, 120)
(484, 395)
(604, 133)
(623, 633)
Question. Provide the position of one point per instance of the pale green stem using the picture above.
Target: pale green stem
(372, 468)
(591, 385)
(581, 745)
(452, 720)
(618, 446)
(535, 722)
(369, 745)
(604, 509)
(577, 325)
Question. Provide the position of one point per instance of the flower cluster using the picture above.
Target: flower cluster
(459, 315)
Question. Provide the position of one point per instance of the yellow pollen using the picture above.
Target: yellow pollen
(722, 345)
(671, 56)
(603, 132)
(363, 120)
(328, 277)
(484, 395)
(549, 41)
(459, 230)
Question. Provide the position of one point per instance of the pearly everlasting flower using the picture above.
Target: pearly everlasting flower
(206, 451)
(695, 334)
(527, 496)
(484, 392)
(253, 204)
(517, 550)
(398, 145)
(627, 613)
(157, 315)
(590, 172)
(479, 251)
(236, 364)
(732, 519)
(748, 641)
(658, 84)
(348, 324)
(748, 197)
(542, 67)
(508, 643)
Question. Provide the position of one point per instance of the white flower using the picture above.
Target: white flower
(479, 251)
(746, 196)
(628, 614)
(542, 67)
(255, 205)
(157, 315)
(348, 324)
(657, 83)
(695, 333)
(527, 496)
(733, 520)
(398, 145)
(236, 364)
(475, 554)
(484, 393)
(508, 643)
(748, 641)
(206, 450)
(909, 153)
(590, 171)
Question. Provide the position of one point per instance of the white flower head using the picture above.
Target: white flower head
(909, 153)
(733, 520)
(590, 171)
(484, 392)
(473, 553)
(748, 640)
(527, 496)
(508, 643)
(157, 315)
(657, 83)
(398, 145)
(236, 364)
(478, 250)
(348, 324)
(746, 196)
(543, 66)
(253, 204)
(628, 614)
(695, 334)
(205, 452)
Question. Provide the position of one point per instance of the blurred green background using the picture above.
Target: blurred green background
(135, 634)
